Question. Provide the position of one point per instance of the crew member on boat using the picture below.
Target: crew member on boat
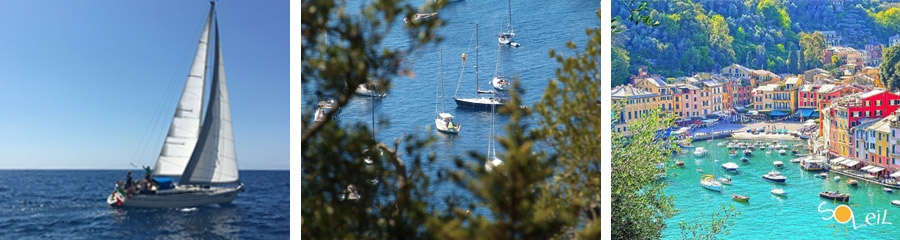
(128, 180)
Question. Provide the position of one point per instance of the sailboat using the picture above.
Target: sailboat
(499, 82)
(477, 102)
(443, 121)
(493, 161)
(200, 152)
(508, 36)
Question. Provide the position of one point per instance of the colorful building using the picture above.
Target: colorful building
(631, 103)
(848, 112)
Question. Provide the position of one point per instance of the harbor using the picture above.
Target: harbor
(796, 209)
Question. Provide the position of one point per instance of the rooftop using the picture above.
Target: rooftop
(630, 92)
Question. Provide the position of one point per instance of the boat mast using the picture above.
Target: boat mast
(437, 95)
(441, 86)
(477, 88)
(508, 15)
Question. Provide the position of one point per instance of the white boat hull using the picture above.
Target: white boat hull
(441, 126)
(177, 198)
(500, 84)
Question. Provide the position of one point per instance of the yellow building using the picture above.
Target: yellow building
(665, 93)
(630, 103)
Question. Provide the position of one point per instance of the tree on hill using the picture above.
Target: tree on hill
(890, 68)
(813, 46)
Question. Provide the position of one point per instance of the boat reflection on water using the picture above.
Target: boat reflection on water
(204, 222)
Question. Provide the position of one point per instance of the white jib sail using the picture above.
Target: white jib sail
(185, 127)
(214, 160)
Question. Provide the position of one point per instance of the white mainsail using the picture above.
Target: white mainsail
(185, 127)
(214, 160)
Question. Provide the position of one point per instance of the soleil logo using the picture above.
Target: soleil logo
(843, 214)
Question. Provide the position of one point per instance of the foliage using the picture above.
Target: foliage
(717, 224)
(333, 157)
(622, 63)
(889, 19)
(569, 119)
(689, 37)
(639, 203)
(813, 46)
(890, 68)
(512, 190)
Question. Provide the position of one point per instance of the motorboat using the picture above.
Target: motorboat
(778, 192)
(700, 151)
(739, 198)
(795, 160)
(835, 196)
(774, 176)
(895, 202)
(730, 166)
(888, 190)
(745, 159)
(699, 170)
(822, 175)
(852, 182)
(720, 144)
(768, 152)
(732, 153)
(782, 152)
(794, 151)
(748, 152)
(679, 163)
(778, 164)
(710, 183)
(837, 178)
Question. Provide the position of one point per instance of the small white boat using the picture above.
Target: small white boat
(730, 166)
(822, 175)
(895, 202)
(796, 160)
(748, 152)
(778, 192)
(837, 178)
(720, 144)
(782, 152)
(726, 181)
(768, 152)
(444, 123)
(778, 164)
(501, 83)
(369, 91)
(710, 183)
(489, 165)
(852, 182)
(700, 151)
(888, 190)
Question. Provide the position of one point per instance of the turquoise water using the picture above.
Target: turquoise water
(767, 216)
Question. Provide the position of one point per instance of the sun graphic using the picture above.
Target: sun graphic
(842, 214)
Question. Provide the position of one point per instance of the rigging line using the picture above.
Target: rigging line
(464, 63)
(145, 137)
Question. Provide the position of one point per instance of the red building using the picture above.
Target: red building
(850, 110)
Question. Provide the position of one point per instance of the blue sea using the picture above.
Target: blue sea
(797, 216)
(410, 105)
(71, 204)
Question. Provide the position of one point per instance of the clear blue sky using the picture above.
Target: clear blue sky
(81, 82)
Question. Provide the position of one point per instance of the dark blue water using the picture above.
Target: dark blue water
(410, 105)
(71, 204)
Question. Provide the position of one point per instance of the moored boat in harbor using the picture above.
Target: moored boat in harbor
(835, 196)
